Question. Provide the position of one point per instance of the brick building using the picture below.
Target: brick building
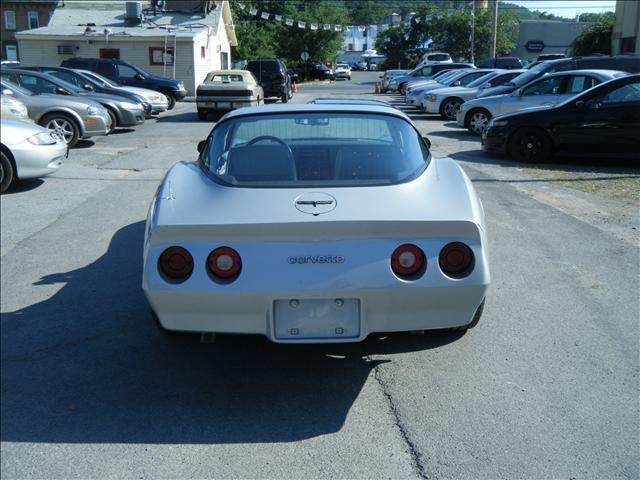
(18, 15)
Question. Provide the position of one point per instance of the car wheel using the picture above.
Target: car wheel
(478, 121)
(474, 321)
(450, 107)
(530, 145)
(63, 125)
(202, 114)
(172, 100)
(402, 88)
(114, 122)
(285, 98)
(6, 172)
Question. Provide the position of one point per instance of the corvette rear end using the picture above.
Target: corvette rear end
(328, 246)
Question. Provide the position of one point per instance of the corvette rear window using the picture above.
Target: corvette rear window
(314, 150)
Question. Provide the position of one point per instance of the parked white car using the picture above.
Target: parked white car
(547, 91)
(342, 70)
(461, 78)
(435, 57)
(446, 101)
(28, 151)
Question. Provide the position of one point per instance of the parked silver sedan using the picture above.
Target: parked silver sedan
(28, 151)
(547, 91)
(72, 117)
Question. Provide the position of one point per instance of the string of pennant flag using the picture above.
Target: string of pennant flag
(335, 27)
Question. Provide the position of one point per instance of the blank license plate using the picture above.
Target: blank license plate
(317, 319)
(224, 105)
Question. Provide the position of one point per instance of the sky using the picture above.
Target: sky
(569, 8)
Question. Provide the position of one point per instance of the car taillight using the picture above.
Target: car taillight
(281, 76)
(456, 259)
(176, 263)
(224, 262)
(407, 260)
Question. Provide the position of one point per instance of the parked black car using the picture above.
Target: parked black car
(601, 122)
(129, 74)
(272, 76)
(318, 71)
(508, 63)
(624, 63)
(88, 84)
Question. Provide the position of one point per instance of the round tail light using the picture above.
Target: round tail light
(456, 259)
(176, 263)
(224, 262)
(407, 260)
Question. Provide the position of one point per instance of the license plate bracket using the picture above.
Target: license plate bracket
(317, 319)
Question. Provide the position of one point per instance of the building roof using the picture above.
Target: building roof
(71, 17)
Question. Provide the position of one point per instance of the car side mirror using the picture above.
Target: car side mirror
(427, 141)
(580, 106)
(88, 87)
(201, 145)
(61, 91)
(138, 76)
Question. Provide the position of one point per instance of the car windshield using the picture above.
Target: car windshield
(98, 79)
(16, 88)
(529, 75)
(479, 81)
(324, 149)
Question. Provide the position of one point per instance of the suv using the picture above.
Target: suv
(508, 63)
(128, 74)
(623, 63)
(272, 76)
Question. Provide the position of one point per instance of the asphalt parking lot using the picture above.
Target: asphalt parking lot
(546, 385)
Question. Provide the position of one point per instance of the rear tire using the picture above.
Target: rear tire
(449, 108)
(114, 122)
(477, 120)
(285, 97)
(530, 145)
(474, 321)
(64, 125)
(172, 100)
(6, 172)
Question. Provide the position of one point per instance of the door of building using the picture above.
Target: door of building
(11, 52)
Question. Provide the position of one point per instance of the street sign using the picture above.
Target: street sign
(534, 46)
(304, 56)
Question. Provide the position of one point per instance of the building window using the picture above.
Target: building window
(203, 52)
(9, 20)
(110, 53)
(364, 46)
(32, 20)
(351, 47)
(158, 56)
(628, 45)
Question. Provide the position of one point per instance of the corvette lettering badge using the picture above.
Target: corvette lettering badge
(315, 203)
(317, 259)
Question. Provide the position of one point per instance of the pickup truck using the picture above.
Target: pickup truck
(128, 74)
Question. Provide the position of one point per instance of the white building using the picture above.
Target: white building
(356, 42)
(184, 44)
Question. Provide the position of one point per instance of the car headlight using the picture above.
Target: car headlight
(132, 106)
(42, 138)
(94, 111)
(432, 98)
(18, 110)
(180, 85)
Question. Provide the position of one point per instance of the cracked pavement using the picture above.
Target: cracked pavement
(546, 386)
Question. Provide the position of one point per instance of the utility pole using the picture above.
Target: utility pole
(494, 36)
(473, 30)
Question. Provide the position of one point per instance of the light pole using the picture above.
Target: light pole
(494, 36)
(473, 30)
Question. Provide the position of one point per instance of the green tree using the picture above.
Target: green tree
(393, 43)
(595, 38)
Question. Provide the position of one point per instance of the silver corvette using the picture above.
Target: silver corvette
(315, 223)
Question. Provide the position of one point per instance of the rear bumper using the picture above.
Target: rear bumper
(211, 103)
(247, 305)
